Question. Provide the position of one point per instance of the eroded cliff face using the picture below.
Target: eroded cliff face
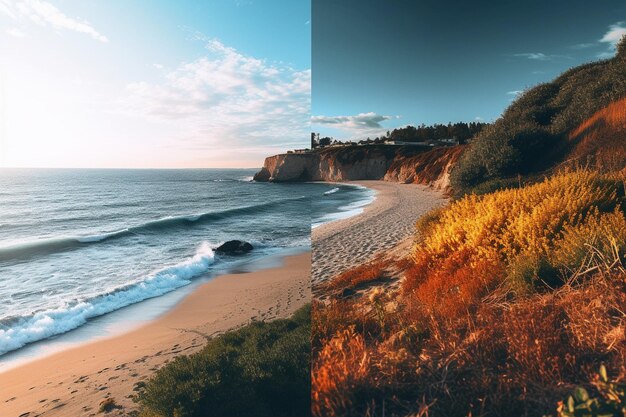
(289, 167)
(431, 168)
(389, 163)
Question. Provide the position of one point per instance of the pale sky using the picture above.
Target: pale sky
(95, 83)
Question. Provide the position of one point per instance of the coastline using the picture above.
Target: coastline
(351, 209)
(75, 381)
(387, 225)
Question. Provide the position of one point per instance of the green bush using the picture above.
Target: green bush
(610, 401)
(262, 369)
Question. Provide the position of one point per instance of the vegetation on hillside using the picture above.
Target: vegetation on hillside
(513, 296)
(509, 301)
(600, 141)
(262, 369)
(460, 131)
(532, 134)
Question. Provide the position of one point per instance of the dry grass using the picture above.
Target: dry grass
(512, 299)
(360, 276)
(507, 358)
(529, 236)
(600, 141)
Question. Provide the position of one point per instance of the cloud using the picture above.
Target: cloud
(357, 126)
(514, 94)
(362, 121)
(614, 34)
(538, 56)
(585, 45)
(44, 13)
(228, 98)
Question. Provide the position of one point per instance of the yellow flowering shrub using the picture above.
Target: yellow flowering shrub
(544, 222)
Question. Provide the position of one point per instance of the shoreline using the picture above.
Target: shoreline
(349, 210)
(76, 380)
(386, 225)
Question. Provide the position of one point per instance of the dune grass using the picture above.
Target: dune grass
(262, 369)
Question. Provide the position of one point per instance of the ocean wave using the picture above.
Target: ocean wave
(20, 331)
(64, 243)
(334, 190)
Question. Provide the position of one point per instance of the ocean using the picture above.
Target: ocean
(80, 244)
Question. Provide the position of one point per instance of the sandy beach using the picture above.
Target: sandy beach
(388, 223)
(74, 382)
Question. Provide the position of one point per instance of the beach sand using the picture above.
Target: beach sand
(386, 225)
(74, 382)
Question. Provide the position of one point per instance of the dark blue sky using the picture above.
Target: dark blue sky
(426, 61)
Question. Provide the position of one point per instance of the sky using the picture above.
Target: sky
(380, 64)
(153, 83)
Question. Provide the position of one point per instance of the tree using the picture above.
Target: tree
(324, 141)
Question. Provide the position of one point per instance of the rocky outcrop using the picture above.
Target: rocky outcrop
(288, 168)
(407, 164)
(234, 247)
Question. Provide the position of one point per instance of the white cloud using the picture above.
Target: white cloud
(357, 126)
(229, 98)
(360, 121)
(538, 56)
(585, 45)
(514, 94)
(614, 34)
(612, 37)
(44, 13)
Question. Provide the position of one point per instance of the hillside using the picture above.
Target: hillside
(533, 134)
(510, 301)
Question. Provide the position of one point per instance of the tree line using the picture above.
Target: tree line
(462, 132)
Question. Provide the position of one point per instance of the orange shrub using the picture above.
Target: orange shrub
(362, 274)
(341, 367)
(477, 238)
(455, 285)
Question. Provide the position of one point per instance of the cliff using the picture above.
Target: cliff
(405, 164)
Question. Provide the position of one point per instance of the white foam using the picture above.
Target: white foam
(44, 324)
(334, 190)
(348, 210)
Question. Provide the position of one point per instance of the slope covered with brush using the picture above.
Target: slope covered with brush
(533, 134)
(600, 141)
(509, 301)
